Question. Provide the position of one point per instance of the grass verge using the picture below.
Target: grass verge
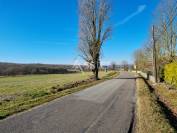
(16, 107)
(150, 117)
(168, 96)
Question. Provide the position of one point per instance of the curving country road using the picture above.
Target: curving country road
(104, 108)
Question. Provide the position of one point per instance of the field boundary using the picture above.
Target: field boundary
(170, 113)
(150, 115)
(28, 105)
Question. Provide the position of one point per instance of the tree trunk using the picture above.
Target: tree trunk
(96, 73)
(96, 67)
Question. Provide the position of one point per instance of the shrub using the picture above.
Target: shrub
(171, 73)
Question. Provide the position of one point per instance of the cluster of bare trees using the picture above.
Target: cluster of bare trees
(143, 57)
(164, 35)
(167, 30)
(94, 30)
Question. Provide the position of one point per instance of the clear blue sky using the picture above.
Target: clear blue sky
(46, 31)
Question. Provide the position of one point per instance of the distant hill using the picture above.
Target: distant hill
(24, 69)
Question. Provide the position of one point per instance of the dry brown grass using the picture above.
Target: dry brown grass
(168, 96)
(149, 114)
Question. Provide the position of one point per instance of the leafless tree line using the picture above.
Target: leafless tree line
(165, 21)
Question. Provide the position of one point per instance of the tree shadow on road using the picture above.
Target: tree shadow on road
(127, 77)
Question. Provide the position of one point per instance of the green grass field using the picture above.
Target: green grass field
(22, 92)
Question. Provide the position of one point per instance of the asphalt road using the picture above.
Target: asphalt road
(104, 108)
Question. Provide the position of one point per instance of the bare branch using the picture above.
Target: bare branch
(93, 17)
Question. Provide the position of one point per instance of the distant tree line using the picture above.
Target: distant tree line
(7, 69)
(123, 66)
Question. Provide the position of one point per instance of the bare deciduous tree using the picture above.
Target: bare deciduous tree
(125, 65)
(113, 65)
(166, 34)
(94, 30)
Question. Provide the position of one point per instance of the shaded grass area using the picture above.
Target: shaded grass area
(168, 96)
(167, 100)
(150, 115)
(26, 91)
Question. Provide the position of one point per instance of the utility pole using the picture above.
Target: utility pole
(171, 40)
(154, 54)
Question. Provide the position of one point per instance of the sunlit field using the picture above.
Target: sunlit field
(19, 92)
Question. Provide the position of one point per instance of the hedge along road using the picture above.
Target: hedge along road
(107, 108)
